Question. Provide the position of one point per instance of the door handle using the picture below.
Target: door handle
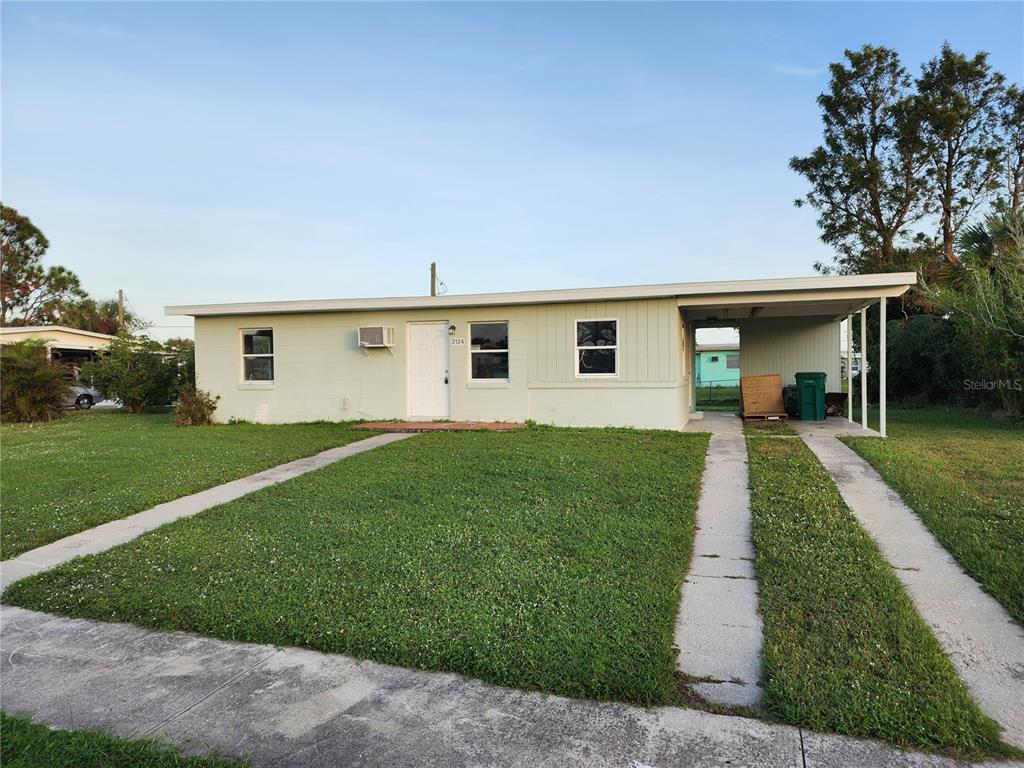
(445, 379)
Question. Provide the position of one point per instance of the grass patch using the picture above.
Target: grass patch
(543, 558)
(844, 648)
(963, 474)
(71, 474)
(25, 744)
(768, 428)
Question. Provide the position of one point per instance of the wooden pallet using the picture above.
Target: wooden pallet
(765, 416)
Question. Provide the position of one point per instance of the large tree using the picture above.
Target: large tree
(30, 294)
(1012, 112)
(98, 316)
(867, 178)
(959, 102)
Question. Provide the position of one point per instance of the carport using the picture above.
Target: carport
(793, 324)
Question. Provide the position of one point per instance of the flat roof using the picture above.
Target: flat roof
(43, 329)
(717, 347)
(894, 284)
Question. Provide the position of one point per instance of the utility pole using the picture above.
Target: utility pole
(433, 278)
(120, 309)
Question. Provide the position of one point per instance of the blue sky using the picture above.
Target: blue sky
(199, 152)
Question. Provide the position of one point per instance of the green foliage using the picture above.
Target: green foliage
(867, 177)
(1012, 118)
(928, 362)
(195, 407)
(136, 371)
(25, 744)
(910, 162)
(184, 353)
(32, 388)
(963, 474)
(959, 101)
(100, 316)
(844, 648)
(543, 558)
(89, 468)
(984, 298)
(29, 293)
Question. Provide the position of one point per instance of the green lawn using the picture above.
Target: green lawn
(543, 558)
(963, 474)
(24, 744)
(755, 428)
(85, 469)
(844, 648)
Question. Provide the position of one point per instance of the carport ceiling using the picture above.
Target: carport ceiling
(719, 309)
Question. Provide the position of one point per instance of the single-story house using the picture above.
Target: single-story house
(71, 346)
(620, 356)
(717, 365)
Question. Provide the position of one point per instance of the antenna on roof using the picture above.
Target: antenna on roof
(437, 287)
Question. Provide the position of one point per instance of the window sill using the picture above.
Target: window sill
(256, 385)
(488, 384)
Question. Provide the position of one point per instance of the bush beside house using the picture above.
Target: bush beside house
(137, 371)
(32, 387)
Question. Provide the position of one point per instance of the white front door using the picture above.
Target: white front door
(428, 371)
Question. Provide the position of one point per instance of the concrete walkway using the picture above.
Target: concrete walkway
(108, 535)
(291, 707)
(985, 646)
(718, 630)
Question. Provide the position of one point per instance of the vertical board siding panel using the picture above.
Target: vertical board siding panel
(641, 332)
(551, 315)
(567, 361)
(651, 341)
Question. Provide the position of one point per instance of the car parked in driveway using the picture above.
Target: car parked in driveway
(82, 398)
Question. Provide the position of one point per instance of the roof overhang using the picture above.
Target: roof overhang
(831, 300)
(696, 300)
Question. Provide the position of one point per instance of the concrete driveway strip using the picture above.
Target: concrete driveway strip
(108, 535)
(285, 707)
(984, 644)
(718, 630)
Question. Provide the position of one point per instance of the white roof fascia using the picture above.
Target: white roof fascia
(887, 284)
(52, 328)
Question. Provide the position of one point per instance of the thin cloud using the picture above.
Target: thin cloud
(794, 71)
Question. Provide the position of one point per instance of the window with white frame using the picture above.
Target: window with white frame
(488, 351)
(258, 355)
(732, 361)
(597, 347)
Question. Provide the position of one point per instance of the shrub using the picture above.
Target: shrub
(195, 407)
(136, 371)
(32, 387)
(928, 360)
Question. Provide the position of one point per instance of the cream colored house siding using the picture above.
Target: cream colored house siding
(63, 338)
(786, 345)
(321, 373)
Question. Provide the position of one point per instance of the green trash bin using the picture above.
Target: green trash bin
(791, 400)
(812, 396)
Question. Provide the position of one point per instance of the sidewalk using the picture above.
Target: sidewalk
(285, 707)
(108, 535)
(718, 630)
(984, 644)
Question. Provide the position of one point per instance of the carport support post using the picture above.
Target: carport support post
(864, 367)
(881, 367)
(849, 368)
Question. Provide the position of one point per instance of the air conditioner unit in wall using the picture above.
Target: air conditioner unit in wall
(377, 336)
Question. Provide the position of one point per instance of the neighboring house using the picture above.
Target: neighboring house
(854, 363)
(68, 345)
(717, 365)
(620, 356)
